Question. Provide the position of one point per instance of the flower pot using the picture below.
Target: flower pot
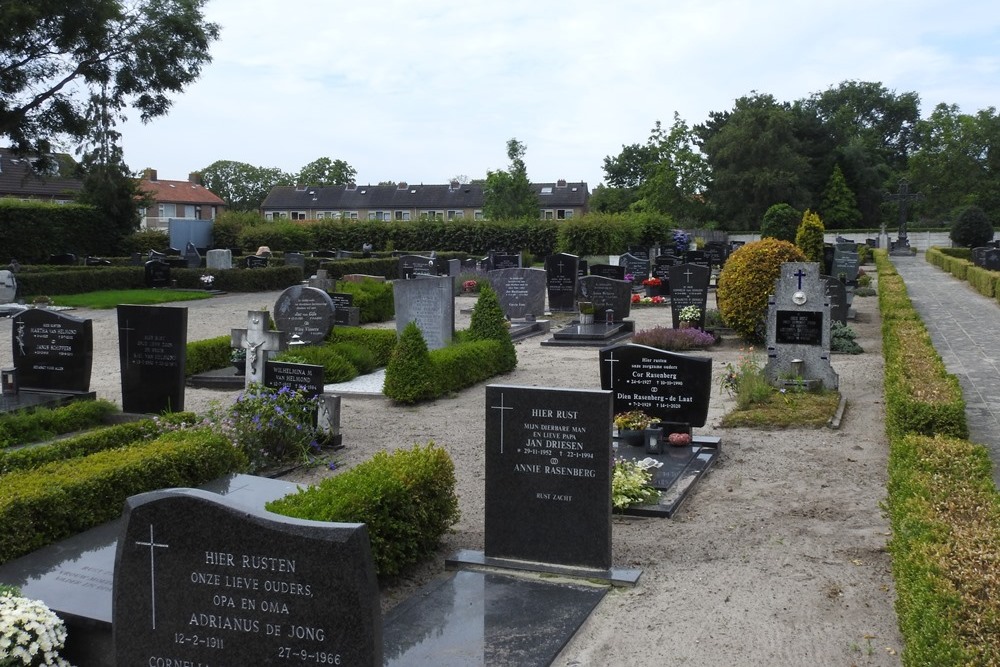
(631, 437)
(240, 366)
(586, 318)
(652, 290)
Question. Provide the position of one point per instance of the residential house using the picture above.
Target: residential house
(20, 179)
(188, 200)
(454, 201)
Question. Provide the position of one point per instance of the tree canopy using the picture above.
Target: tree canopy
(324, 171)
(59, 59)
(509, 194)
(242, 186)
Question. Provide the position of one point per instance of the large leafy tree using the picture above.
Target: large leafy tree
(756, 158)
(243, 186)
(57, 57)
(324, 171)
(509, 194)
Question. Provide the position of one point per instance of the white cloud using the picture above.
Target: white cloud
(423, 91)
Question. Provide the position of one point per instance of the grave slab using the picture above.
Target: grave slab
(682, 468)
(482, 618)
(591, 335)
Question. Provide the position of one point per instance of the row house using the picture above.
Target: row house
(454, 201)
(23, 178)
(185, 200)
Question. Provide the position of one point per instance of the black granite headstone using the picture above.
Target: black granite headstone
(295, 259)
(325, 254)
(52, 351)
(828, 253)
(607, 295)
(698, 257)
(689, 287)
(608, 271)
(64, 259)
(152, 348)
(344, 312)
(991, 260)
(671, 386)
(562, 271)
(637, 267)
(548, 475)
(192, 256)
(504, 261)
(582, 268)
(256, 262)
(307, 378)
(304, 311)
(202, 581)
(157, 273)
(715, 251)
(799, 328)
(661, 270)
(411, 266)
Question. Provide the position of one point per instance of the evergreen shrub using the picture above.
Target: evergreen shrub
(19, 428)
(972, 228)
(379, 341)
(746, 280)
(409, 377)
(781, 221)
(809, 237)
(406, 498)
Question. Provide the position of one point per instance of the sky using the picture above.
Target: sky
(427, 91)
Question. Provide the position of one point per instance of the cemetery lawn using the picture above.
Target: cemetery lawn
(140, 297)
(787, 410)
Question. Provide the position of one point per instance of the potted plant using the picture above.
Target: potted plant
(42, 302)
(631, 426)
(690, 316)
(238, 358)
(652, 285)
(586, 312)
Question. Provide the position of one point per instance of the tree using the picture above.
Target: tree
(509, 194)
(971, 228)
(838, 207)
(57, 56)
(809, 237)
(780, 222)
(242, 186)
(324, 171)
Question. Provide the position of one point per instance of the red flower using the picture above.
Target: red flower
(636, 298)
(652, 282)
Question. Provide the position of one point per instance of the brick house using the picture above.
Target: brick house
(19, 179)
(454, 201)
(188, 200)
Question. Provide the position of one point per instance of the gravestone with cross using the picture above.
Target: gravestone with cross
(689, 287)
(901, 246)
(259, 343)
(798, 329)
(561, 276)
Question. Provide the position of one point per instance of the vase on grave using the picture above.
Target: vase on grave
(653, 440)
(652, 290)
(240, 366)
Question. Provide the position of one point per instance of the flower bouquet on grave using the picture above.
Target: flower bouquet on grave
(238, 358)
(30, 632)
(631, 483)
(631, 425)
(652, 285)
(689, 315)
(648, 300)
(207, 280)
(469, 286)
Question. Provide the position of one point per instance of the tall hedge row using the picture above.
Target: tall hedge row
(31, 231)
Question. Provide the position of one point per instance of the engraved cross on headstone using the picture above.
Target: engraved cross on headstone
(502, 408)
(687, 276)
(259, 344)
(153, 545)
(904, 197)
(800, 274)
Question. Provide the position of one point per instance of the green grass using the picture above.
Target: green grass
(788, 410)
(140, 297)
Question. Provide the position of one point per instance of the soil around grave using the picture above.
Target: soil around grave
(778, 557)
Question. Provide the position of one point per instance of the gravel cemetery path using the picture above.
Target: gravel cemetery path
(776, 558)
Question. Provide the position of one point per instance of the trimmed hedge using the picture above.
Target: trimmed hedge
(374, 299)
(19, 428)
(406, 498)
(207, 355)
(59, 499)
(958, 262)
(380, 341)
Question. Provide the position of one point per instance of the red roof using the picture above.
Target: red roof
(180, 192)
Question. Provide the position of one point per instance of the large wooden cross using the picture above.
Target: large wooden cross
(259, 344)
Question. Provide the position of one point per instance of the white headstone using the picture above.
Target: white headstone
(219, 259)
(8, 287)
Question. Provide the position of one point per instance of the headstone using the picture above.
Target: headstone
(256, 262)
(640, 251)
(608, 271)
(689, 287)
(307, 378)
(828, 254)
(836, 293)
(322, 281)
(259, 344)
(698, 257)
(157, 274)
(661, 270)
(345, 254)
(871, 243)
(192, 256)
(582, 268)
(991, 259)
(202, 581)
(846, 264)
(295, 259)
(521, 292)
(562, 271)
(305, 312)
(152, 349)
(52, 351)
(548, 475)
(798, 327)
(219, 259)
(978, 255)
(671, 386)
(345, 313)
(637, 267)
(411, 266)
(716, 252)
(96, 261)
(325, 254)
(430, 302)
(8, 286)
(64, 259)
(607, 295)
(500, 260)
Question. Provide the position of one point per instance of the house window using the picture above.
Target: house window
(349, 215)
(402, 215)
(547, 214)
(547, 190)
(168, 211)
(456, 215)
(434, 215)
(298, 215)
(564, 213)
(478, 214)
(379, 215)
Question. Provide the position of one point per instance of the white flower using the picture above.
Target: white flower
(29, 630)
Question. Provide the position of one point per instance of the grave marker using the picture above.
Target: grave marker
(219, 259)
(344, 311)
(548, 475)
(562, 271)
(8, 286)
(521, 292)
(256, 262)
(307, 378)
(430, 303)
(607, 295)
(192, 256)
(52, 351)
(157, 274)
(638, 267)
(411, 266)
(152, 349)
(306, 312)
(202, 581)
(608, 271)
(688, 287)
(836, 293)
(259, 344)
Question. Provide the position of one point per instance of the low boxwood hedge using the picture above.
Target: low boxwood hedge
(19, 428)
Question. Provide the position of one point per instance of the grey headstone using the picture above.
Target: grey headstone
(192, 256)
(521, 292)
(846, 264)
(548, 475)
(798, 326)
(304, 311)
(152, 350)
(219, 259)
(322, 281)
(203, 581)
(8, 286)
(673, 387)
(52, 351)
(430, 302)
(562, 271)
(608, 271)
(836, 292)
(295, 259)
(606, 294)
(689, 287)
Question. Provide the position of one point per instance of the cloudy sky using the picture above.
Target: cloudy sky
(425, 91)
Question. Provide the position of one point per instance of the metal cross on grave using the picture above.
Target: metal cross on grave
(259, 343)
(904, 197)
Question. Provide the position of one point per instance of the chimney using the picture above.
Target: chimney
(352, 186)
(149, 174)
(401, 185)
(561, 183)
(195, 178)
(453, 185)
